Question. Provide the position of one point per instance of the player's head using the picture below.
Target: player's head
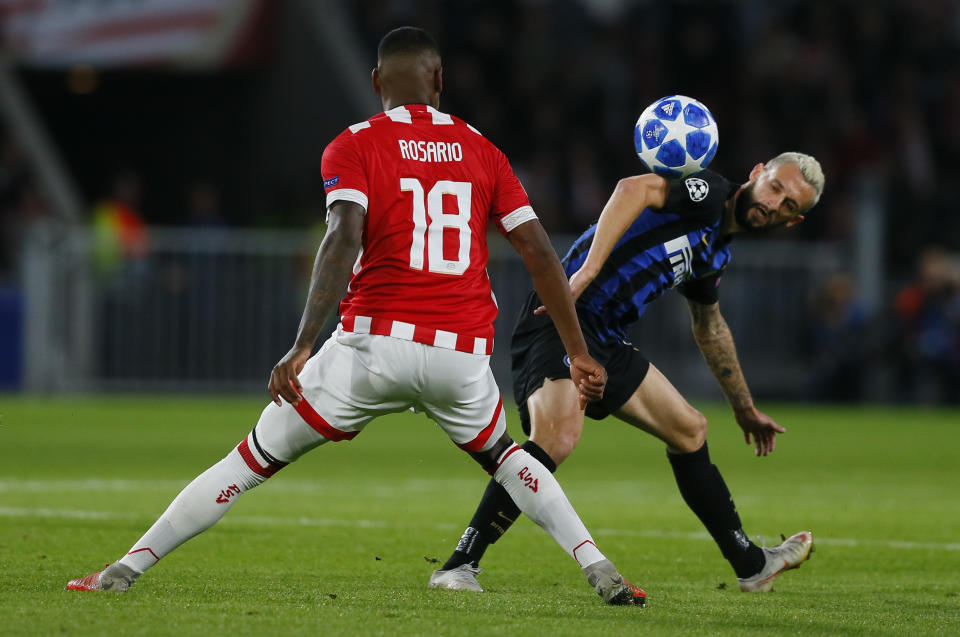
(409, 69)
(779, 192)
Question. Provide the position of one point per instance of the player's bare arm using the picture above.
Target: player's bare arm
(631, 196)
(715, 341)
(331, 273)
(549, 280)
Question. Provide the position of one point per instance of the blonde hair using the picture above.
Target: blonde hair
(809, 167)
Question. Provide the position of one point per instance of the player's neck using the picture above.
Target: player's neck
(390, 103)
(730, 225)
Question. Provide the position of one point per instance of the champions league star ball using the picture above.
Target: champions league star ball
(676, 136)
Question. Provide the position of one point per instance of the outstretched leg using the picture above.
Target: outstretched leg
(204, 501)
(658, 408)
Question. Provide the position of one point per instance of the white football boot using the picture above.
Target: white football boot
(461, 578)
(791, 554)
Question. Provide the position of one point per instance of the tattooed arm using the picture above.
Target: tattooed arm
(331, 273)
(715, 341)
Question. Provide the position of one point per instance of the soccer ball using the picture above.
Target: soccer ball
(676, 136)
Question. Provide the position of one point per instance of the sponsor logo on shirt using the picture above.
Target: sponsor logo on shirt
(680, 256)
(330, 183)
(697, 188)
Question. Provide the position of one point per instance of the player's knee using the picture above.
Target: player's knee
(692, 432)
(559, 443)
(251, 464)
(488, 458)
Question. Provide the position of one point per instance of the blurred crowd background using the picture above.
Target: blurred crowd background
(232, 140)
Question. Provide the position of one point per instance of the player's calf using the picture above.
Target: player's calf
(540, 497)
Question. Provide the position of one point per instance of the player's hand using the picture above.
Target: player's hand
(580, 280)
(283, 379)
(761, 427)
(590, 378)
(578, 283)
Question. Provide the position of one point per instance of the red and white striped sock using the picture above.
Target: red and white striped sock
(203, 502)
(539, 495)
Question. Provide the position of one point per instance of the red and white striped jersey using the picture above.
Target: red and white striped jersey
(430, 183)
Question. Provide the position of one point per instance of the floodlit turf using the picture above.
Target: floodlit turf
(343, 541)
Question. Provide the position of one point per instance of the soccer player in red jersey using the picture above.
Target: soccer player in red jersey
(410, 193)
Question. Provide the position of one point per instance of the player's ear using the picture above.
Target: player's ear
(438, 80)
(375, 79)
(794, 221)
(757, 171)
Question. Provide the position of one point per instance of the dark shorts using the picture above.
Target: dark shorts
(537, 354)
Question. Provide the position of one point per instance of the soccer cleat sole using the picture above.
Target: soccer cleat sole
(89, 583)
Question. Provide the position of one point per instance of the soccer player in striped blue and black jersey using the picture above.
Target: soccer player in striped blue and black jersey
(653, 235)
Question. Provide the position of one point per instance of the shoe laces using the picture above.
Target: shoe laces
(763, 544)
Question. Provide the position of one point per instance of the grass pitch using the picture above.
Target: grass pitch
(343, 541)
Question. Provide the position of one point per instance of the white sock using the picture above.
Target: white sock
(539, 495)
(202, 503)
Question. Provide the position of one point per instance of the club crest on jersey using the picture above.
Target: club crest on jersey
(330, 183)
(697, 188)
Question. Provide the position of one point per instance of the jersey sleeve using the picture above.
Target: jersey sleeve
(511, 206)
(703, 291)
(344, 176)
(701, 195)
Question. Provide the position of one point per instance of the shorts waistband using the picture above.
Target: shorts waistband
(418, 334)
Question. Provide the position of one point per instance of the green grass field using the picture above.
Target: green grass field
(342, 542)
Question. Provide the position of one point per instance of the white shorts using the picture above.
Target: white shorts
(356, 377)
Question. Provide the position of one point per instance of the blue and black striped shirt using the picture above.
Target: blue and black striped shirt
(677, 246)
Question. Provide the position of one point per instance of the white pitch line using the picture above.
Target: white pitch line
(271, 521)
(253, 520)
(89, 485)
(70, 514)
(119, 485)
(818, 539)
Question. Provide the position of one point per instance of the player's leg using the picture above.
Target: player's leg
(467, 405)
(658, 408)
(200, 504)
(556, 420)
(282, 434)
(550, 414)
(555, 423)
(538, 494)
